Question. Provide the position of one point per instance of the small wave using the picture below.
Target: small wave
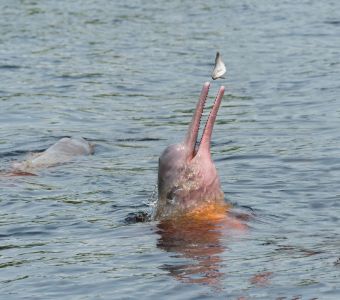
(9, 67)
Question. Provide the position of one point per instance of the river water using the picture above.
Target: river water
(126, 76)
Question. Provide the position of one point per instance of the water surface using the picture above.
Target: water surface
(127, 76)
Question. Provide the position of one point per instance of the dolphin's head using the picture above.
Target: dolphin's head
(187, 176)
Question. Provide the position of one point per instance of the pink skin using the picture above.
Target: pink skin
(187, 177)
(61, 152)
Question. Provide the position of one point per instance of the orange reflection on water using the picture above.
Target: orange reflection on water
(197, 237)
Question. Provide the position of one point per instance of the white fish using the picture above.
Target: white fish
(219, 68)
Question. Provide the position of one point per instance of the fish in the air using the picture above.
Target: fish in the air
(219, 68)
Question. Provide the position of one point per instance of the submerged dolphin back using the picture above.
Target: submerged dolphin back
(61, 152)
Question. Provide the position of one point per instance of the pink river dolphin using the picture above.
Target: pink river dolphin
(188, 183)
(62, 151)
